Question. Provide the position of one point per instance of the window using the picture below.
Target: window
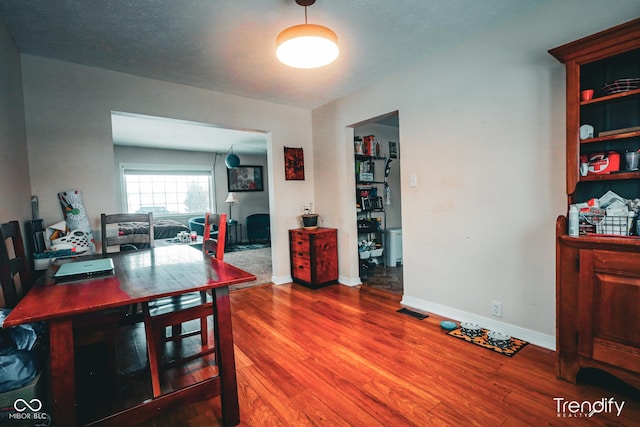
(166, 190)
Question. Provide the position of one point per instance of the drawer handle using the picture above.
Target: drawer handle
(300, 254)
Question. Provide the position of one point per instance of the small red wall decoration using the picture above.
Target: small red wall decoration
(293, 164)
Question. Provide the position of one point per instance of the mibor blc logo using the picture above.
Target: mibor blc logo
(21, 405)
(27, 410)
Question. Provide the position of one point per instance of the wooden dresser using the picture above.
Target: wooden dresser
(314, 256)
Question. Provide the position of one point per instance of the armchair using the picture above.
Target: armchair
(258, 227)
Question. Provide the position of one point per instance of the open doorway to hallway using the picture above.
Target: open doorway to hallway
(378, 202)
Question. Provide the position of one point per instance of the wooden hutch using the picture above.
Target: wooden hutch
(598, 276)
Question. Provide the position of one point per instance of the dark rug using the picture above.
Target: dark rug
(237, 247)
(514, 346)
(412, 313)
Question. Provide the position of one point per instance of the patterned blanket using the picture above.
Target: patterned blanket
(162, 228)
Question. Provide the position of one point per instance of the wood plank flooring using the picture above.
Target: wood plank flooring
(388, 279)
(341, 356)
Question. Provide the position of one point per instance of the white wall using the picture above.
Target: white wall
(68, 115)
(482, 128)
(15, 188)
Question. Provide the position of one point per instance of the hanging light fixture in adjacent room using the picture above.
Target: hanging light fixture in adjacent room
(232, 161)
(307, 45)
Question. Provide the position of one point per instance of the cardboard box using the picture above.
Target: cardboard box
(34, 390)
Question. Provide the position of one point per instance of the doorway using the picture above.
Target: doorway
(169, 146)
(378, 202)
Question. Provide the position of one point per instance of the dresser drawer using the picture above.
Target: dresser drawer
(298, 235)
(300, 246)
(300, 253)
(301, 269)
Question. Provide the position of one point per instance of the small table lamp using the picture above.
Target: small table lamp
(231, 199)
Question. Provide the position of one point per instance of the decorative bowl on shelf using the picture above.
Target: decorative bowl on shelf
(621, 85)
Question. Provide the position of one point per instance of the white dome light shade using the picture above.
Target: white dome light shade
(307, 46)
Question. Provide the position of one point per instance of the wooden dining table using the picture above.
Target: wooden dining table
(138, 276)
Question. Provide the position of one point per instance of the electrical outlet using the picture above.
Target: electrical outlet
(496, 308)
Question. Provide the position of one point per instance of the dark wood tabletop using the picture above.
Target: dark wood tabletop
(138, 276)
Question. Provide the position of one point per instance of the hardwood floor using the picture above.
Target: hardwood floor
(385, 278)
(343, 356)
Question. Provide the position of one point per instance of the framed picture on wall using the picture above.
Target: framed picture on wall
(293, 164)
(393, 150)
(245, 178)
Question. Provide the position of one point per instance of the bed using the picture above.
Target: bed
(162, 228)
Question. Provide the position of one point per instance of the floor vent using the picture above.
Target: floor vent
(412, 313)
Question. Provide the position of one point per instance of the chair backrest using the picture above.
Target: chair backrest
(14, 267)
(214, 247)
(127, 239)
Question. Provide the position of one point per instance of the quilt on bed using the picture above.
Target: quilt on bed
(162, 228)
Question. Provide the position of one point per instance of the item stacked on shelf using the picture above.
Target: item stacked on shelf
(621, 85)
(369, 248)
(610, 214)
(367, 146)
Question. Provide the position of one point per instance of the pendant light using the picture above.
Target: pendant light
(232, 161)
(307, 45)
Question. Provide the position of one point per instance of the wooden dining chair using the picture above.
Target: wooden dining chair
(111, 235)
(174, 311)
(17, 279)
(89, 327)
(212, 246)
(211, 241)
(15, 274)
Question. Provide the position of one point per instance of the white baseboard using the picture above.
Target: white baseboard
(281, 280)
(537, 338)
(349, 281)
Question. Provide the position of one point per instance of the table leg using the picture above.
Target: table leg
(225, 356)
(62, 371)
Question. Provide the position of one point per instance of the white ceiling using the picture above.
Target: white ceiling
(137, 130)
(228, 45)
